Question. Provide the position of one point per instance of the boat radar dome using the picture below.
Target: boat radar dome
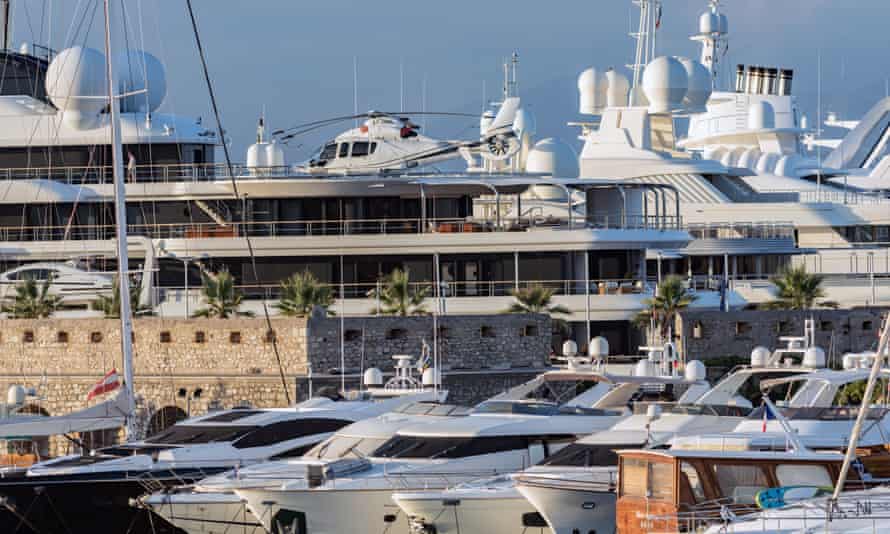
(139, 71)
(709, 22)
(665, 84)
(814, 358)
(15, 395)
(618, 90)
(761, 115)
(699, 90)
(75, 83)
(569, 349)
(598, 348)
(593, 89)
(759, 356)
(554, 157)
(373, 377)
(695, 371)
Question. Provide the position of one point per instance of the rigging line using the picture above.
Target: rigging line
(222, 138)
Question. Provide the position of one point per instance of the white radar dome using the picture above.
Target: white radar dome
(760, 356)
(618, 91)
(708, 22)
(695, 371)
(373, 377)
(274, 155)
(569, 348)
(665, 83)
(525, 123)
(761, 115)
(554, 157)
(15, 395)
(814, 358)
(139, 71)
(73, 74)
(598, 348)
(593, 89)
(699, 90)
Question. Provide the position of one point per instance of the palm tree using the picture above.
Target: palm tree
(397, 297)
(535, 299)
(110, 305)
(223, 298)
(31, 301)
(301, 292)
(796, 289)
(671, 298)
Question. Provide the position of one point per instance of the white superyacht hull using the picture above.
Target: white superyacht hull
(571, 508)
(480, 508)
(197, 512)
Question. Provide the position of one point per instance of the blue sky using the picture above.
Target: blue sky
(295, 57)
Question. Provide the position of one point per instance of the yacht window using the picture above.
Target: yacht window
(740, 482)
(296, 452)
(328, 152)
(228, 417)
(345, 446)
(645, 479)
(193, 434)
(446, 447)
(689, 472)
(803, 475)
(633, 477)
(373, 148)
(287, 430)
(581, 455)
(344, 150)
(661, 478)
(360, 148)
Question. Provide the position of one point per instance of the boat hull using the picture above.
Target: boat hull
(456, 513)
(198, 512)
(572, 509)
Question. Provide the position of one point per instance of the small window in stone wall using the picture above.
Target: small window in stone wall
(95, 337)
(61, 337)
(166, 337)
(396, 333)
(271, 336)
(867, 325)
(352, 335)
(826, 326)
(235, 338)
(444, 332)
(486, 331)
(742, 328)
(200, 337)
(28, 336)
(529, 330)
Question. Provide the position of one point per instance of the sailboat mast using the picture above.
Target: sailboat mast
(120, 212)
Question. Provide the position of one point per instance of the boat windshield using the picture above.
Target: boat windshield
(640, 408)
(195, 434)
(345, 447)
(536, 408)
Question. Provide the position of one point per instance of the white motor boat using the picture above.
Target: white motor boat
(73, 285)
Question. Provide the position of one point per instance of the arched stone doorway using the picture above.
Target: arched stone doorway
(165, 418)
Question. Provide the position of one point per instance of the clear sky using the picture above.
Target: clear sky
(294, 58)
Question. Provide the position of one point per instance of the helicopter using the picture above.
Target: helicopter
(389, 142)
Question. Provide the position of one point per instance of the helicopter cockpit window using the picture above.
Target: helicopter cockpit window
(360, 148)
(344, 150)
(328, 152)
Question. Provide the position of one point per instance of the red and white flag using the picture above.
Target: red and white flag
(109, 382)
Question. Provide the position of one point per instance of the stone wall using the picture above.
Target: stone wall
(713, 334)
(232, 361)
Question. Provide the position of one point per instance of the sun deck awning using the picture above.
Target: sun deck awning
(109, 414)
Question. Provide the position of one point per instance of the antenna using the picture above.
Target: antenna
(401, 85)
(506, 87)
(514, 83)
(355, 87)
(4, 5)
(650, 20)
(819, 121)
(714, 41)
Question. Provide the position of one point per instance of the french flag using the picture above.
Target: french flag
(109, 382)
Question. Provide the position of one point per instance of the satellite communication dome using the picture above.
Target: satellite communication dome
(525, 123)
(485, 121)
(554, 157)
(274, 155)
(708, 22)
(759, 356)
(814, 358)
(761, 115)
(373, 377)
(748, 158)
(699, 85)
(593, 88)
(695, 371)
(137, 70)
(78, 72)
(569, 348)
(15, 395)
(618, 90)
(598, 348)
(665, 83)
